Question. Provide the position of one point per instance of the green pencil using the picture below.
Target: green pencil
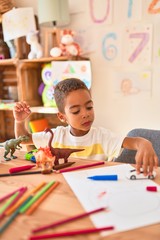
(10, 200)
(36, 196)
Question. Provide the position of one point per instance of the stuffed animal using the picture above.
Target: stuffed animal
(67, 45)
(36, 48)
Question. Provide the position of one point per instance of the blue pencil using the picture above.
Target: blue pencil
(104, 177)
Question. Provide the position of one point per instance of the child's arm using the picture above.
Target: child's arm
(145, 156)
(21, 112)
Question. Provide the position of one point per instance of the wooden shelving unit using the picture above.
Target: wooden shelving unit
(25, 75)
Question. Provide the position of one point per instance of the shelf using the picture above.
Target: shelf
(9, 61)
(41, 109)
(15, 61)
(46, 59)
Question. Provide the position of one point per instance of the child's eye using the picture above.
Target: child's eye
(89, 108)
(76, 112)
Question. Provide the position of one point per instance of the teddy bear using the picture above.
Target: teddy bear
(67, 46)
(36, 48)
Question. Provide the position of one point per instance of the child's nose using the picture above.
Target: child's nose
(85, 113)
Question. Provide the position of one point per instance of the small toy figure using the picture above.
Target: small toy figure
(67, 47)
(60, 152)
(36, 48)
(11, 145)
(44, 158)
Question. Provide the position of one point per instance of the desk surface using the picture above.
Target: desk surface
(60, 204)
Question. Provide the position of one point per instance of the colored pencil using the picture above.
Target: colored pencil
(13, 216)
(5, 206)
(63, 165)
(71, 233)
(19, 195)
(66, 220)
(23, 198)
(21, 168)
(20, 173)
(10, 194)
(35, 205)
(36, 196)
(47, 171)
(11, 201)
(80, 167)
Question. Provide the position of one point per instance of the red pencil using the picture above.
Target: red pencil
(21, 168)
(79, 167)
(71, 233)
(66, 220)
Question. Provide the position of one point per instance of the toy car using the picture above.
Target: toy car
(133, 175)
(30, 155)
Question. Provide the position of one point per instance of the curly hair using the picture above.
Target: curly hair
(63, 88)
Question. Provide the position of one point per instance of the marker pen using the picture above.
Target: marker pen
(104, 177)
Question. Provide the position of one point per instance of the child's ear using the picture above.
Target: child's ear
(61, 117)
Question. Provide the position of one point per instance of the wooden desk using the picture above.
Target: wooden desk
(61, 203)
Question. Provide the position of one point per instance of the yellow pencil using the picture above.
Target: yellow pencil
(22, 199)
(38, 202)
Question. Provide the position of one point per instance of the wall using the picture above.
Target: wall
(122, 40)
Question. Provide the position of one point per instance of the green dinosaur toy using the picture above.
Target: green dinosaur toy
(11, 145)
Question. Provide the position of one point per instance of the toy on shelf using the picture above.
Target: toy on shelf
(46, 88)
(59, 153)
(67, 47)
(11, 145)
(36, 48)
(38, 125)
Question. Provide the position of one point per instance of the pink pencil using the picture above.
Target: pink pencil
(79, 167)
(71, 233)
(58, 223)
(10, 194)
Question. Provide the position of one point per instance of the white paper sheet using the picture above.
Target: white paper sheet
(128, 203)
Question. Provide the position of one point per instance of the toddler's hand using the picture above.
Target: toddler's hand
(146, 157)
(21, 111)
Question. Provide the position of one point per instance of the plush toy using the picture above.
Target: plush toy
(36, 48)
(67, 45)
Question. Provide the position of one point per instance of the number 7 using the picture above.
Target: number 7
(144, 40)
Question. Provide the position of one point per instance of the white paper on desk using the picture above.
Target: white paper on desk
(129, 204)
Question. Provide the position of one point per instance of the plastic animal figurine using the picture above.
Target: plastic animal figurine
(44, 158)
(60, 152)
(11, 145)
(36, 48)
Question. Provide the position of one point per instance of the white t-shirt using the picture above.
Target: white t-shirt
(98, 144)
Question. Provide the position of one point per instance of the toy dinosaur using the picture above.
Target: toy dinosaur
(44, 158)
(11, 145)
(60, 152)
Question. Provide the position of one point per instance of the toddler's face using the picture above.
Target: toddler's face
(79, 112)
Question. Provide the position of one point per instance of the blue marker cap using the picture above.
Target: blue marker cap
(104, 177)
